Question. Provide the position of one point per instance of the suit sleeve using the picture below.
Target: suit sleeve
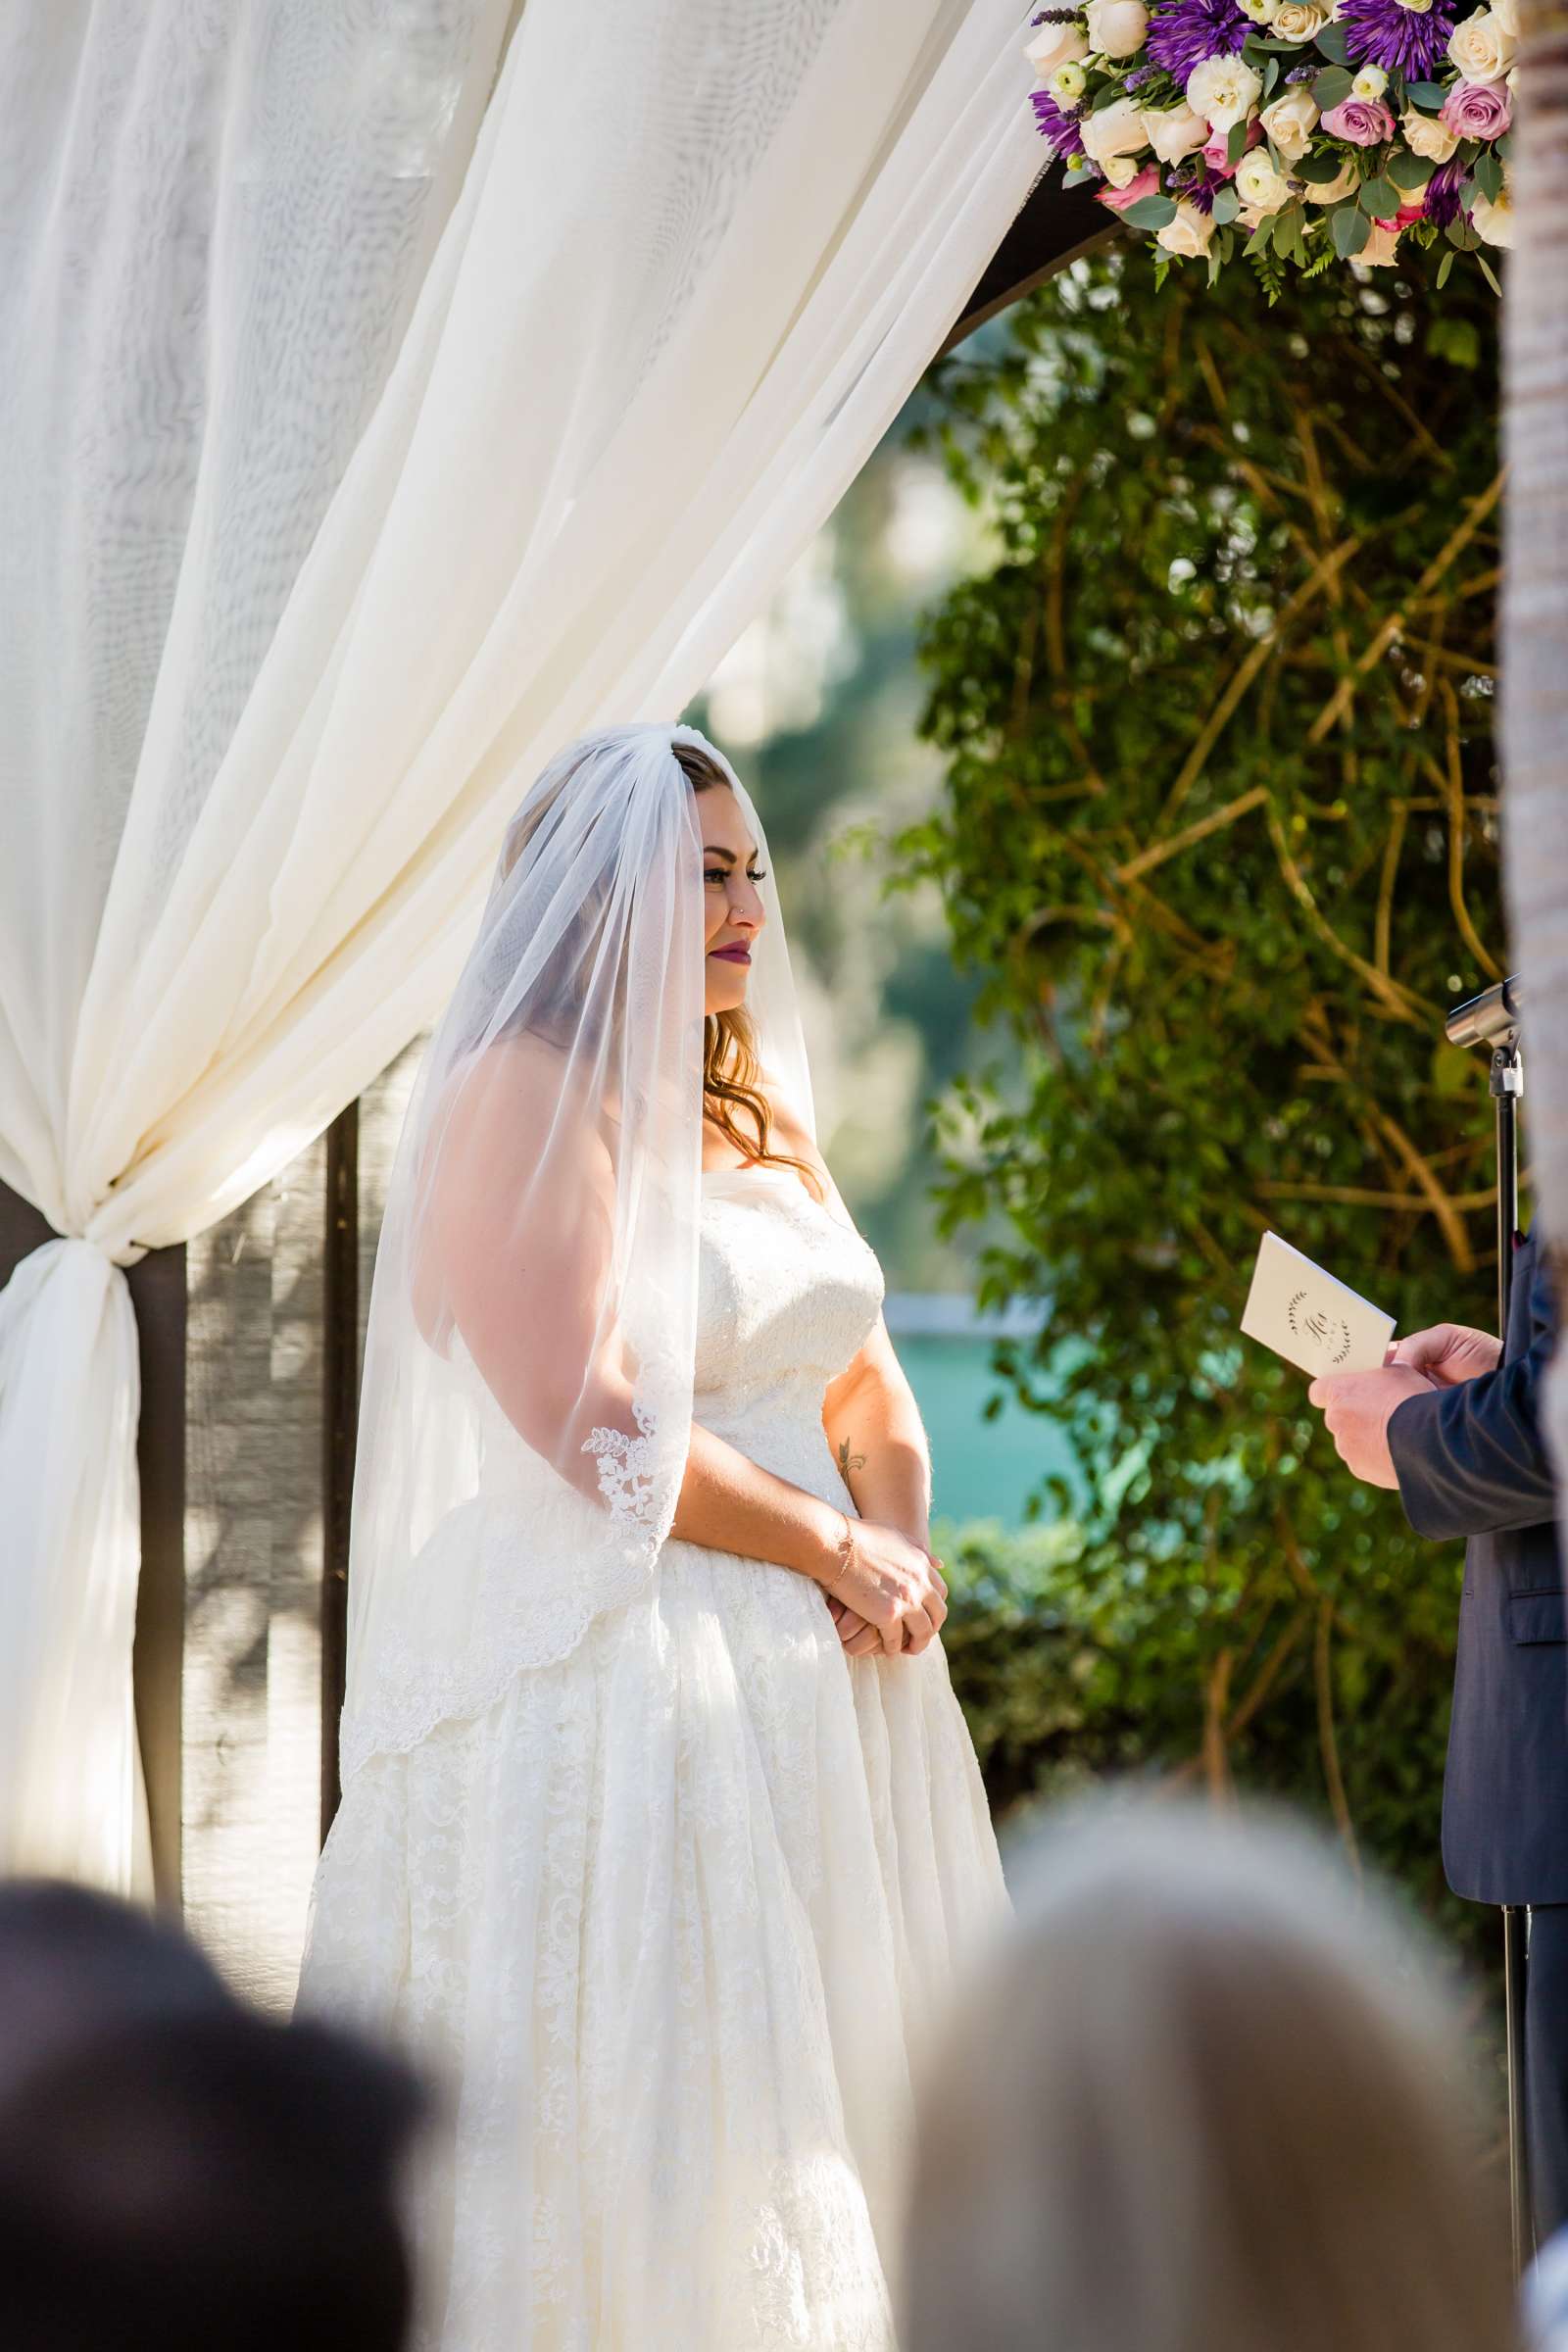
(1472, 1460)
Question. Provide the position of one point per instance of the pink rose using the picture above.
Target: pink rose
(1416, 210)
(1147, 183)
(1477, 109)
(1215, 152)
(1362, 122)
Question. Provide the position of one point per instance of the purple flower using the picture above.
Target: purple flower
(1442, 193)
(1183, 33)
(1478, 110)
(1060, 129)
(1399, 39)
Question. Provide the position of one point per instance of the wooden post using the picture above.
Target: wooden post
(340, 1393)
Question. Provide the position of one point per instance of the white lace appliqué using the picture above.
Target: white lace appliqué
(628, 1469)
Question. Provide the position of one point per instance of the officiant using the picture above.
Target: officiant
(1453, 1422)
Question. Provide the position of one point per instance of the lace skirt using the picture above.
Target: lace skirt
(673, 1923)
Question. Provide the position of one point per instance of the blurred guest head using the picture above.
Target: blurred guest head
(174, 2171)
(1201, 2095)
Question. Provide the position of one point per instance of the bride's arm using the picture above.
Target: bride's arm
(878, 1439)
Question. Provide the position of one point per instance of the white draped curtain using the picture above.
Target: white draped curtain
(365, 433)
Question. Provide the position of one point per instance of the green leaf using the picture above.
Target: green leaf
(1378, 198)
(1488, 176)
(1426, 96)
(1227, 204)
(1150, 211)
(1271, 74)
(1444, 266)
(1258, 241)
(1106, 95)
(1319, 168)
(1485, 268)
(1459, 232)
(1407, 170)
(1350, 230)
(1332, 87)
(1236, 143)
(1331, 43)
(1503, 146)
(1454, 339)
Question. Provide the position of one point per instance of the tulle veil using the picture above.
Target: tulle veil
(526, 1400)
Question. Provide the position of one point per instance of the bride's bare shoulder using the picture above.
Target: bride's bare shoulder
(520, 1095)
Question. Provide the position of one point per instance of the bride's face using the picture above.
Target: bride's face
(732, 906)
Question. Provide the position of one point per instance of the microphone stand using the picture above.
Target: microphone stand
(1493, 1019)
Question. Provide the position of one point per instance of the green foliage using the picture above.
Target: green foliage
(1220, 839)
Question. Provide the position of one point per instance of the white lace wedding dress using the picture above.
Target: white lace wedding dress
(676, 1915)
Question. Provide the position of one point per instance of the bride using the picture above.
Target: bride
(663, 1838)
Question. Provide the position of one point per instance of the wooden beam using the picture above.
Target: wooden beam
(1055, 226)
(340, 1398)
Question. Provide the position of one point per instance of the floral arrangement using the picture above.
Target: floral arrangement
(1297, 131)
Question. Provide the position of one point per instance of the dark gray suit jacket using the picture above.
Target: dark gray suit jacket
(1471, 1462)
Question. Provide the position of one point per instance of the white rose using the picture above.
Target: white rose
(1345, 183)
(1492, 216)
(1053, 46)
(1290, 121)
(1175, 131)
(1068, 83)
(1379, 247)
(1114, 129)
(1426, 137)
(1369, 83)
(1480, 47)
(1300, 20)
(1258, 184)
(1120, 170)
(1506, 14)
(1116, 27)
(1223, 90)
(1189, 234)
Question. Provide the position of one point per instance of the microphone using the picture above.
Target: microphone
(1490, 1019)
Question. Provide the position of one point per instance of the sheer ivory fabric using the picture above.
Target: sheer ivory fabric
(335, 498)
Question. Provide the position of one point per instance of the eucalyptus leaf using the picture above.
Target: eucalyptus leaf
(1331, 42)
(1488, 176)
(1258, 241)
(1319, 168)
(1150, 211)
(1236, 143)
(1271, 74)
(1378, 198)
(1407, 170)
(1106, 95)
(1227, 204)
(1428, 96)
(1486, 270)
(1350, 230)
(1332, 87)
(1444, 266)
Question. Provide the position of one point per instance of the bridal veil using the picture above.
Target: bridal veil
(527, 1400)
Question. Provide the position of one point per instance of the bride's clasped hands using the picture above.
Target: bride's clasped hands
(887, 1591)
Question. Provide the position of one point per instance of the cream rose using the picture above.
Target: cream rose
(1426, 137)
(1224, 90)
(1480, 47)
(1258, 184)
(1381, 248)
(1300, 20)
(1114, 129)
(1492, 216)
(1290, 121)
(1122, 170)
(1116, 27)
(1506, 14)
(1053, 46)
(1068, 82)
(1189, 234)
(1175, 131)
(1345, 183)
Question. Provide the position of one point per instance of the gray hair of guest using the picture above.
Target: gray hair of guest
(1204, 2094)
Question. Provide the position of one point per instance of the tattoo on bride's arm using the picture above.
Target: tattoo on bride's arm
(848, 1462)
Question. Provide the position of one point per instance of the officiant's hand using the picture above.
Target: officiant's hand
(1448, 1354)
(891, 1585)
(1357, 1408)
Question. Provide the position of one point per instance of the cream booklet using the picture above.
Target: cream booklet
(1308, 1317)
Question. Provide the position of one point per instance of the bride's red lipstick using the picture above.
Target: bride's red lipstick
(736, 954)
